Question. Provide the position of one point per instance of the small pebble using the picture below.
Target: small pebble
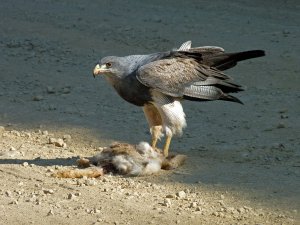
(50, 213)
(38, 98)
(167, 202)
(52, 140)
(170, 196)
(48, 191)
(198, 208)
(281, 125)
(14, 202)
(90, 182)
(67, 137)
(193, 205)
(71, 196)
(241, 210)
(66, 90)
(25, 164)
(57, 142)
(2, 129)
(181, 194)
(50, 90)
(8, 193)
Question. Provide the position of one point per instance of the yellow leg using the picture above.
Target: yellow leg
(153, 142)
(167, 145)
(156, 132)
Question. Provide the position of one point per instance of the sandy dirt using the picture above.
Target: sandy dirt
(243, 161)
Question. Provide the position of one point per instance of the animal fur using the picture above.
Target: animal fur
(124, 159)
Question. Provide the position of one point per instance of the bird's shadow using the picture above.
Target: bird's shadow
(42, 162)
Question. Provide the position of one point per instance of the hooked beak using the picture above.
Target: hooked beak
(100, 70)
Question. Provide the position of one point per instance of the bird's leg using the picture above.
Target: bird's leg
(153, 142)
(155, 123)
(167, 146)
(156, 132)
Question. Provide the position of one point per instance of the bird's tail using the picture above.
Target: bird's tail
(225, 97)
(228, 60)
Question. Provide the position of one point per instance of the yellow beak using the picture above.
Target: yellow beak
(100, 70)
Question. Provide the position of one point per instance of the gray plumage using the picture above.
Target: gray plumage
(186, 73)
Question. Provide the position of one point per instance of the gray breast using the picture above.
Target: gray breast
(131, 90)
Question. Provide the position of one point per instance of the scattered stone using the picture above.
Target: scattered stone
(12, 148)
(96, 211)
(66, 90)
(38, 98)
(48, 191)
(105, 179)
(181, 194)
(14, 202)
(8, 193)
(51, 107)
(17, 133)
(215, 214)
(57, 142)
(241, 210)
(67, 137)
(167, 202)
(170, 196)
(2, 129)
(25, 164)
(281, 125)
(193, 205)
(50, 170)
(283, 111)
(198, 209)
(284, 116)
(50, 213)
(221, 202)
(71, 196)
(50, 90)
(52, 140)
(45, 132)
(285, 32)
(222, 196)
(247, 208)
(26, 134)
(89, 211)
(90, 182)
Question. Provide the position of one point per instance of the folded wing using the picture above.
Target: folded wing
(183, 74)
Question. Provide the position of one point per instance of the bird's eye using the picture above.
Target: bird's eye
(108, 64)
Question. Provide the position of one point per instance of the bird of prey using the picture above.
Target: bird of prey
(159, 82)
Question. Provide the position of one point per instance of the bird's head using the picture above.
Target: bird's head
(110, 66)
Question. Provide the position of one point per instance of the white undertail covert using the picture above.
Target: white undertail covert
(171, 111)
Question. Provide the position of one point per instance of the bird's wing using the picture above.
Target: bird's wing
(176, 75)
(204, 50)
(207, 50)
(185, 46)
